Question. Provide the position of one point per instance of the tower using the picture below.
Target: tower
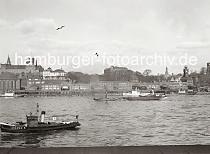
(166, 73)
(8, 61)
(208, 69)
(185, 71)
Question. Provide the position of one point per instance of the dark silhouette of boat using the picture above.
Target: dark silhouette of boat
(35, 125)
(106, 98)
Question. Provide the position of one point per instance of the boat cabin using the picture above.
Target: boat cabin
(32, 120)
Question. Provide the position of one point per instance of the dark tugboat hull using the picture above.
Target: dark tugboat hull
(39, 129)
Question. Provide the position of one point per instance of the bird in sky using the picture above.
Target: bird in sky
(96, 54)
(60, 27)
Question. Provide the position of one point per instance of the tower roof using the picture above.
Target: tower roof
(8, 61)
(166, 72)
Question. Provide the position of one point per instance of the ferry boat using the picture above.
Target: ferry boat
(35, 125)
(136, 95)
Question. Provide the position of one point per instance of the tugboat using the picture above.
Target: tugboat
(34, 125)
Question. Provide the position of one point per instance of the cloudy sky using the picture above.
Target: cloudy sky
(109, 27)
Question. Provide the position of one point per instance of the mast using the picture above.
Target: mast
(37, 109)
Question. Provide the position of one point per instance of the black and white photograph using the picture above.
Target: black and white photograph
(115, 75)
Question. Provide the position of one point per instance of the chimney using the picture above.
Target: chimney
(33, 61)
(42, 116)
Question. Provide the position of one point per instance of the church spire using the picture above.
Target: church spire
(8, 61)
(166, 73)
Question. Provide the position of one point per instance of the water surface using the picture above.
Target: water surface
(175, 120)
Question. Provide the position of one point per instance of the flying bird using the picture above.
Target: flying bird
(96, 54)
(60, 27)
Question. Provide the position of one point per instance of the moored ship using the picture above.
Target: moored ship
(11, 94)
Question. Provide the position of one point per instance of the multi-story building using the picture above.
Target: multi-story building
(166, 74)
(175, 83)
(115, 73)
(111, 85)
(34, 82)
(51, 85)
(55, 85)
(208, 69)
(57, 74)
(18, 69)
(80, 87)
(9, 82)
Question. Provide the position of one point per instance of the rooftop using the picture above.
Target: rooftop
(57, 70)
(7, 66)
(8, 76)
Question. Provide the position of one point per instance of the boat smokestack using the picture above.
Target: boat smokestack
(42, 116)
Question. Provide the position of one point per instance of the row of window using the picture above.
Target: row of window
(20, 127)
(51, 88)
(38, 82)
(33, 79)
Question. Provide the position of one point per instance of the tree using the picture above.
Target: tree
(147, 72)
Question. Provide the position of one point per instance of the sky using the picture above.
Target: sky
(136, 28)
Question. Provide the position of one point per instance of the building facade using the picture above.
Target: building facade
(18, 69)
(34, 82)
(115, 73)
(111, 86)
(9, 82)
(57, 74)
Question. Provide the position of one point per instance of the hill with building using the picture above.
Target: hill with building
(33, 78)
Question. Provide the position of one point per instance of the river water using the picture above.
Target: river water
(174, 120)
